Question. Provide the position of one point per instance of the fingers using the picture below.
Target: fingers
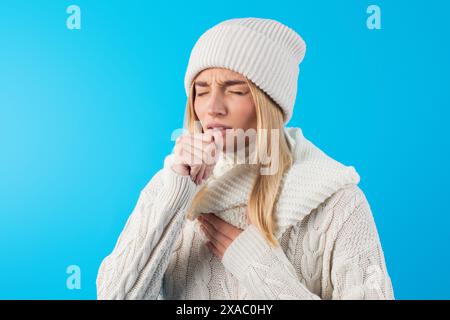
(199, 177)
(214, 250)
(201, 151)
(221, 226)
(218, 238)
(217, 138)
(208, 172)
(220, 234)
(204, 173)
(198, 138)
(185, 156)
(190, 155)
(194, 172)
(198, 153)
(194, 155)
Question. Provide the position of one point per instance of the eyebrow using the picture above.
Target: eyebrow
(221, 84)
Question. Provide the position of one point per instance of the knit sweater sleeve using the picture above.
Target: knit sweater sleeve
(357, 270)
(136, 266)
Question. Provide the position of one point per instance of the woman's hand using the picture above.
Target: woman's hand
(195, 155)
(220, 233)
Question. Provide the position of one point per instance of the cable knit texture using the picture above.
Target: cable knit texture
(329, 244)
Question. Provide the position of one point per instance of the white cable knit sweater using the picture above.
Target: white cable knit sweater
(330, 248)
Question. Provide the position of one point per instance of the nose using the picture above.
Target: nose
(216, 104)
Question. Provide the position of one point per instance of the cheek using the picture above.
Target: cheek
(199, 110)
(244, 113)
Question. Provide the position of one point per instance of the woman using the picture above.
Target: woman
(281, 220)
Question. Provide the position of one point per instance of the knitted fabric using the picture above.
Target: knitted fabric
(329, 244)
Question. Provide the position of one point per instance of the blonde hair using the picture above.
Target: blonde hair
(264, 194)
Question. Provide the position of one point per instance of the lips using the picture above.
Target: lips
(217, 126)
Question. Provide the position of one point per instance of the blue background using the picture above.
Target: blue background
(86, 117)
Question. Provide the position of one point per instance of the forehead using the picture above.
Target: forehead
(218, 75)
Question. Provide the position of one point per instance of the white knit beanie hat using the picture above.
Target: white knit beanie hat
(265, 51)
